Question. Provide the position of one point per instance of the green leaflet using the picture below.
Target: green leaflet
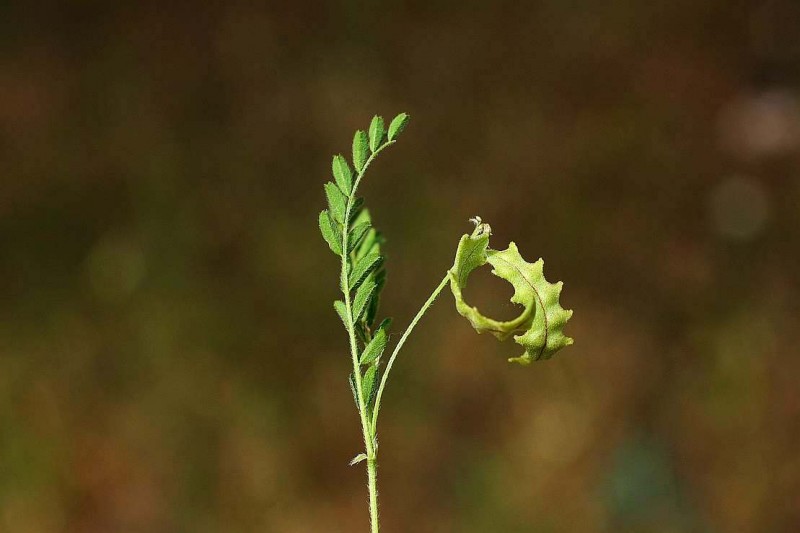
(360, 150)
(370, 244)
(337, 201)
(363, 295)
(372, 309)
(342, 174)
(356, 209)
(397, 125)
(375, 347)
(341, 310)
(330, 232)
(368, 385)
(362, 268)
(539, 328)
(376, 133)
(357, 233)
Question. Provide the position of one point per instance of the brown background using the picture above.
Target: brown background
(169, 358)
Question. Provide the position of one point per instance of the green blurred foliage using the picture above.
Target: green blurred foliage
(169, 360)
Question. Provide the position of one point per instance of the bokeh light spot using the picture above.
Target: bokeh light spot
(739, 207)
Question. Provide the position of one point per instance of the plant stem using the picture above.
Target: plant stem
(366, 427)
(400, 343)
(372, 486)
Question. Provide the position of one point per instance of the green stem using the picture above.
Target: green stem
(366, 427)
(372, 486)
(400, 343)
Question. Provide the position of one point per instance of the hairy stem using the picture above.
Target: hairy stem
(400, 343)
(366, 428)
(372, 486)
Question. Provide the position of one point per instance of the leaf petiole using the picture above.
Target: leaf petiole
(399, 345)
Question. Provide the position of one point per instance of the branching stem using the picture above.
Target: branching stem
(539, 329)
(369, 427)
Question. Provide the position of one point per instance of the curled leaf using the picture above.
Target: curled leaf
(539, 329)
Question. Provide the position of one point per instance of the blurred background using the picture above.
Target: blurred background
(169, 357)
